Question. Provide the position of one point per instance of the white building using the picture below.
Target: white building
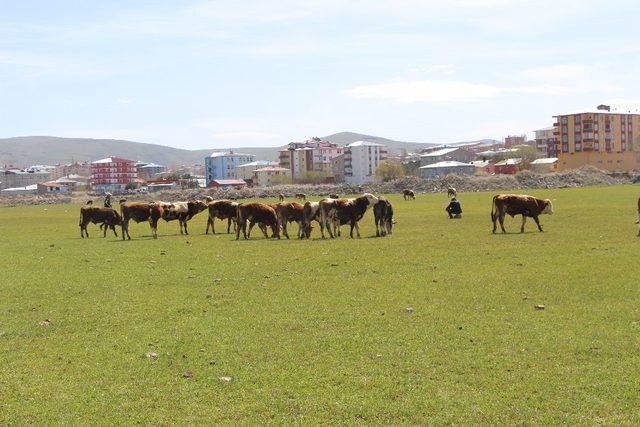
(223, 165)
(271, 175)
(361, 159)
(245, 171)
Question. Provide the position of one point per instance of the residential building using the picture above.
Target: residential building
(271, 175)
(228, 183)
(545, 139)
(245, 171)
(149, 170)
(29, 189)
(545, 164)
(75, 168)
(337, 166)
(112, 174)
(514, 140)
(483, 167)
(447, 167)
(52, 188)
(311, 156)
(14, 178)
(601, 138)
(222, 165)
(453, 153)
(508, 166)
(361, 159)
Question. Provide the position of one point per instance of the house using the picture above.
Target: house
(29, 189)
(544, 165)
(271, 175)
(453, 153)
(222, 165)
(52, 188)
(447, 167)
(483, 167)
(361, 159)
(245, 171)
(508, 166)
(112, 174)
(228, 183)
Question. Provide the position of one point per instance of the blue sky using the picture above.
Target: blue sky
(208, 74)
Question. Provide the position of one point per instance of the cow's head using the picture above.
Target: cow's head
(548, 207)
(208, 199)
(197, 206)
(370, 198)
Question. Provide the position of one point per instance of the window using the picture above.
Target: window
(577, 128)
(578, 146)
(564, 120)
(565, 148)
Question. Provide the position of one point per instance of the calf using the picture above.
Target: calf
(310, 212)
(222, 209)
(260, 213)
(140, 211)
(290, 212)
(383, 217)
(513, 204)
(334, 196)
(344, 211)
(182, 211)
(103, 216)
(301, 196)
(408, 194)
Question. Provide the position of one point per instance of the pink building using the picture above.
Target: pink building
(112, 174)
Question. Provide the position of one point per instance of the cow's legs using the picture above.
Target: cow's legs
(238, 230)
(83, 230)
(535, 218)
(104, 231)
(494, 218)
(208, 225)
(113, 227)
(501, 219)
(284, 230)
(524, 220)
(125, 229)
(185, 228)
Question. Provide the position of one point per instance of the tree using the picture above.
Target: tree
(411, 168)
(388, 170)
(131, 185)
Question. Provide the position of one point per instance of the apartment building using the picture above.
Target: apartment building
(445, 154)
(271, 175)
(514, 140)
(313, 155)
(222, 165)
(545, 139)
(112, 174)
(15, 178)
(602, 138)
(361, 159)
(245, 171)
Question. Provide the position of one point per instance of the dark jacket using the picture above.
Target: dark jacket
(454, 207)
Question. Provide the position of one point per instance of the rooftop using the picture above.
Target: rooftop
(259, 163)
(440, 152)
(508, 162)
(365, 144)
(229, 154)
(271, 169)
(112, 160)
(446, 164)
(545, 161)
(230, 181)
(151, 165)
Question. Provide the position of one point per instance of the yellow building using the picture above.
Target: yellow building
(604, 139)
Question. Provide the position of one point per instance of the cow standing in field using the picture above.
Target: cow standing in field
(256, 213)
(452, 192)
(344, 211)
(513, 204)
(310, 212)
(383, 217)
(290, 212)
(222, 209)
(103, 216)
(140, 211)
(408, 194)
(334, 196)
(183, 212)
(301, 196)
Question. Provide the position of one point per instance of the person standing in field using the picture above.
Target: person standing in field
(454, 209)
(107, 200)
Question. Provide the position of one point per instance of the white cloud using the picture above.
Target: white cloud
(439, 91)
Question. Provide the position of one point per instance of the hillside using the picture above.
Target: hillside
(30, 150)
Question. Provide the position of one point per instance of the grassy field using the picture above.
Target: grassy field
(319, 331)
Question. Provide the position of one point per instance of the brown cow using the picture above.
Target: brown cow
(408, 194)
(334, 196)
(344, 211)
(515, 204)
(260, 213)
(182, 211)
(301, 196)
(310, 212)
(140, 211)
(383, 217)
(289, 212)
(222, 209)
(103, 216)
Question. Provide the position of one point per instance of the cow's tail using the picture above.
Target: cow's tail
(493, 207)
(80, 223)
(638, 222)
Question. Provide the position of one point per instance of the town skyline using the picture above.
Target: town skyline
(207, 75)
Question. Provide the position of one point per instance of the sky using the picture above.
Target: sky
(230, 73)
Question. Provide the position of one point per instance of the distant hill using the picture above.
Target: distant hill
(31, 150)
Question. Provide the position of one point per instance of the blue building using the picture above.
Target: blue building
(221, 165)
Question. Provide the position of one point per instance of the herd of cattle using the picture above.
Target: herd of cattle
(329, 213)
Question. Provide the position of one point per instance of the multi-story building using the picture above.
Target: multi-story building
(271, 175)
(454, 153)
(112, 174)
(149, 170)
(14, 178)
(337, 166)
(361, 159)
(313, 155)
(545, 139)
(607, 140)
(514, 140)
(221, 165)
(246, 171)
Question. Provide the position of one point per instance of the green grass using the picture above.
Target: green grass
(318, 331)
